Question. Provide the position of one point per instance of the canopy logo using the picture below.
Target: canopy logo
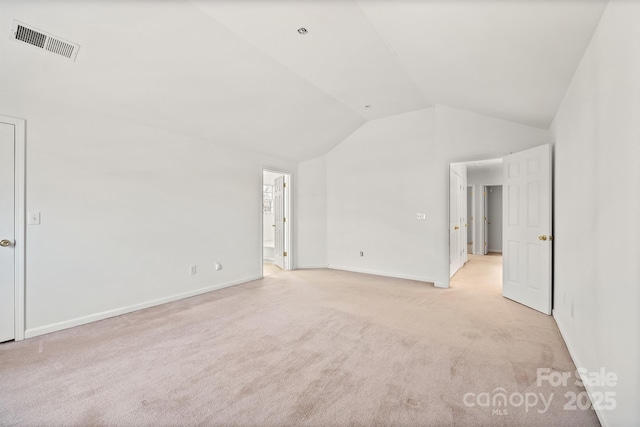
(499, 400)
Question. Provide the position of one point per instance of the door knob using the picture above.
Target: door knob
(543, 237)
(456, 228)
(4, 243)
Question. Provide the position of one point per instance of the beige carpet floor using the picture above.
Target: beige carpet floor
(269, 268)
(310, 347)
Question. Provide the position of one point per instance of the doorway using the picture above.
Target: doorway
(276, 221)
(522, 234)
(474, 191)
(493, 215)
(470, 216)
(12, 228)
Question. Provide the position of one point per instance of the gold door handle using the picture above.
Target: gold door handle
(456, 228)
(543, 237)
(4, 243)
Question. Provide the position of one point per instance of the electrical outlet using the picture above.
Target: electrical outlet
(218, 266)
(193, 270)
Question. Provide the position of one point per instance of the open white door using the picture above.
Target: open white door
(279, 219)
(527, 228)
(7, 232)
(455, 223)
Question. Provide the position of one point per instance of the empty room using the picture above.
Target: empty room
(319, 212)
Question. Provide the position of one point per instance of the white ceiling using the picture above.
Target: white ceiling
(510, 59)
(237, 72)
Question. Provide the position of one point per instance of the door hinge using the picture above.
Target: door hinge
(484, 193)
(284, 219)
(284, 185)
(284, 254)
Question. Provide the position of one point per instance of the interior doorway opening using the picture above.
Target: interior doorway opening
(493, 215)
(470, 215)
(276, 221)
(516, 223)
(475, 211)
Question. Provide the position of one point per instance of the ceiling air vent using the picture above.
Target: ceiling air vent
(33, 36)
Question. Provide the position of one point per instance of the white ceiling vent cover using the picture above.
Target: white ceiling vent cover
(33, 36)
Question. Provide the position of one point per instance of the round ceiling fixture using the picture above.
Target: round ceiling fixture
(302, 30)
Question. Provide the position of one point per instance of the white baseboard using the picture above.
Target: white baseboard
(41, 330)
(380, 273)
(311, 266)
(576, 362)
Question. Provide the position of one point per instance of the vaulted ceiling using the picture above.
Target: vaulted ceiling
(238, 72)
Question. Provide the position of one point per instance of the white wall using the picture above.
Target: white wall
(126, 210)
(597, 191)
(378, 179)
(392, 168)
(312, 213)
(485, 176)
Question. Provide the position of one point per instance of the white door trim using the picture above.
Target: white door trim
(288, 210)
(485, 229)
(20, 232)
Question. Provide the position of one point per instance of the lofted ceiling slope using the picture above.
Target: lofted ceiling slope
(238, 72)
(510, 59)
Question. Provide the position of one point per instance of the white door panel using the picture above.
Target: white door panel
(455, 223)
(527, 228)
(7, 231)
(279, 218)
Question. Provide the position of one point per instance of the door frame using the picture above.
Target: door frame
(288, 209)
(485, 219)
(19, 221)
(446, 283)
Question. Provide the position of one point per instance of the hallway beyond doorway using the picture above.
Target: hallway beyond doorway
(269, 268)
(480, 273)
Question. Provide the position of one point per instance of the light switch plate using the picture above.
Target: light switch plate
(33, 218)
(421, 216)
